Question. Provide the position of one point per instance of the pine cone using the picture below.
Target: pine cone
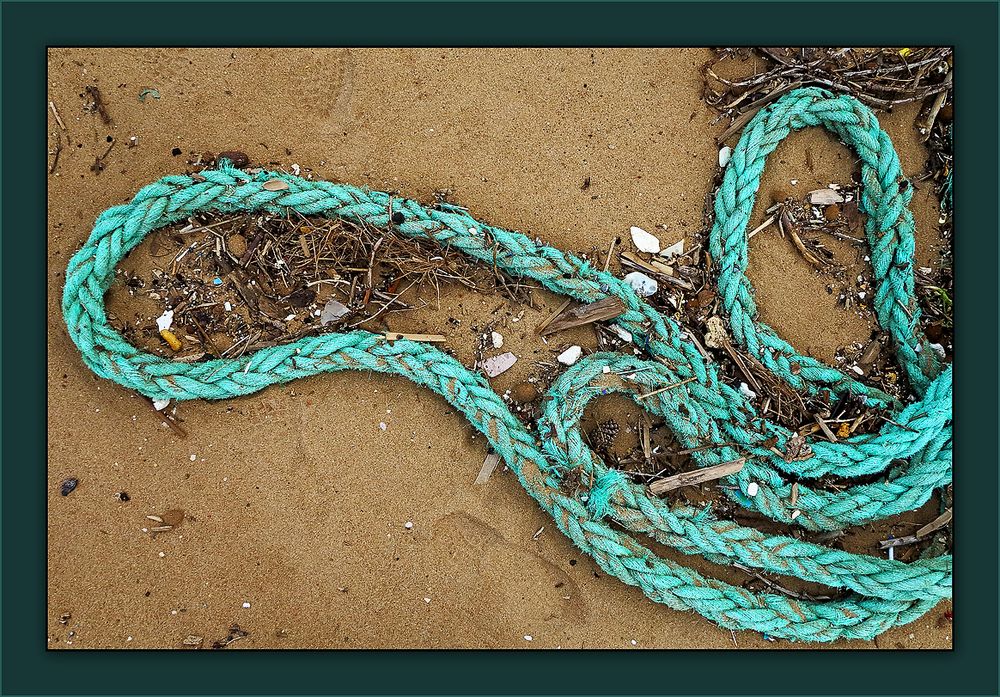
(603, 437)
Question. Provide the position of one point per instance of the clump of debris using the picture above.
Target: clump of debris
(229, 285)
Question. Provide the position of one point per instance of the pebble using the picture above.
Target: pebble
(496, 365)
(746, 391)
(725, 154)
(408, 525)
(528, 637)
(644, 241)
(570, 355)
(497, 339)
(68, 486)
(752, 489)
(642, 284)
(246, 606)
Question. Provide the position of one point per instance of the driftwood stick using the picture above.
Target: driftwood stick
(606, 308)
(699, 476)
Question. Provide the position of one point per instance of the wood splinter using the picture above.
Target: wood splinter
(699, 476)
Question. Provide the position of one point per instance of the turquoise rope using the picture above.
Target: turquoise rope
(913, 452)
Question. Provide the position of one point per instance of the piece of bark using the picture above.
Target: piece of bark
(606, 308)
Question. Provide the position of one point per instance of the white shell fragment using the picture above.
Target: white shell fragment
(570, 355)
(645, 242)
(160, 404)
(752, 489)
(495, 365)
(332, 311)
(746, 391)
(497, 339)
(641, 283)
(164, 321)
(674, 250)
(623, 334)
(725, 154)
(824, 197)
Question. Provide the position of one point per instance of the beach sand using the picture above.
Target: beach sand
(295, 500)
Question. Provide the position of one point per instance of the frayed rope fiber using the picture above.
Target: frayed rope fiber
(912, 453)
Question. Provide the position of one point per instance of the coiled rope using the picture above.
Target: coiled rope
(913, 450)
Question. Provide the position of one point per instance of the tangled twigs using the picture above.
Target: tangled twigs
(880, 78)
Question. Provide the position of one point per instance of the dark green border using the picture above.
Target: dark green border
(28, 28)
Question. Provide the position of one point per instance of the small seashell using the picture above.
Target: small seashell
(496, 365)
(644, 241)
(725, 154)
(824, 197)
(275, 185)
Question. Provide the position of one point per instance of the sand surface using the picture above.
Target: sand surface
(295, 499)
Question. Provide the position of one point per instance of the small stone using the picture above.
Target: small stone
(725, 154)
(68, 486)
(246, 606)
(716, 337)
(642, 284)
(796, 513)
(527, 637)
(623, 334)
(496, 365)
(752, 489)
(570, 355)
(644, 241)
(524, 393)
(408, 525)
(746, 391)
(497, 338)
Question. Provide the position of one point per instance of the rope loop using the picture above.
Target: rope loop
(912, 452)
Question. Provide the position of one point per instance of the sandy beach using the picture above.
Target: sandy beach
(340, 511)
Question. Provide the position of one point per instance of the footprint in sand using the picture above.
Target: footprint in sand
(513, 590)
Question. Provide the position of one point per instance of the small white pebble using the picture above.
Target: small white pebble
(752, 489)
(228, 305)
(633, 642)
(382, 425)
(246, 606)
(527, 637)
(606, 369)
(796, 513)
(570, 355)
(162, 554)
(193, 458)
(427, 600)
(724, 156)
(408, 525)
(497, 339)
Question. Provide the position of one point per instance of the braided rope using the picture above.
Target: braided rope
(913, 451)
